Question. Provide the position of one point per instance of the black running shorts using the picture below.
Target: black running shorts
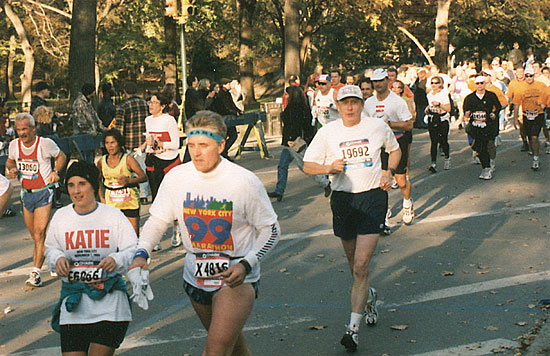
(78, 337)
(358, 213)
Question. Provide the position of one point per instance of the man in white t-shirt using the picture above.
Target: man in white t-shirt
(349, 150)
(394, 111)
(324, 102)
(30, 156)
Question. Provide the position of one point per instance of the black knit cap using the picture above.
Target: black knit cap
(84, 170)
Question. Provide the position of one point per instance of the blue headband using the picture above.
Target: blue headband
(209, 134)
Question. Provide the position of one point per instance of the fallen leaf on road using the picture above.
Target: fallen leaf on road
(447, 273)
(531, 306)
(283, 270)
(462, 322)
(400, 327)
(317, 327)
(8, 310)
(521, 323)
(320, 255)
(473, 347)
(482, 272)
(392, 310)
(385, 251)
(493, 292)
(491, 328)
(482, 267)
(412, 341)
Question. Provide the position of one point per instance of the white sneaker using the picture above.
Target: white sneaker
(535, 165)
(34, 279)
(176, 239)
(493, 165)
(486, 174)
(371, 313)
(157, 247)
(476, 158)
(408, 214)
(447, 164)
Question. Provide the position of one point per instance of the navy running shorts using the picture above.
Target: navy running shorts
(358, 213)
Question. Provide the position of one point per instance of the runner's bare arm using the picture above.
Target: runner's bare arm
(12, 168)
(316, 168)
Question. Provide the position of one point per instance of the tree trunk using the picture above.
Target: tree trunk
(442, 35)
(10, 94)
(171, 42)
(82, 47)
(292, 39)
(305, 46)
(246, 59)
(26, 77)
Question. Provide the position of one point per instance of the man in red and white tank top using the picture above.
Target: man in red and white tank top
(30, 156)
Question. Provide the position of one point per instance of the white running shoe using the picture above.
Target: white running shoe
(447, 164)
(535, 165)
(157, 247)
(176, 239)
(408, 214)
(350, 340)
(371, 313)
(476, 158)
(486, 174)
(34, 279)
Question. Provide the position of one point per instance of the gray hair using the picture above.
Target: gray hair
(207, 119)
(25, 116)
(203, 84)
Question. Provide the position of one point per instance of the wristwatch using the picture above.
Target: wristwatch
(392, 170)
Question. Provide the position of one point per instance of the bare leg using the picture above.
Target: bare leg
(135, 224)
(404, 184)
(359, 253)
(100, 350)
(36, 223)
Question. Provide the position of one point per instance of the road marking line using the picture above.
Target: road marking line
(476, 288)
(475, 349)
(132, 342)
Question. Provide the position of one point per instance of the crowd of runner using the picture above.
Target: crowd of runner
(353, 138)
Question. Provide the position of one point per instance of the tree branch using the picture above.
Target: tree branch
(51, 8)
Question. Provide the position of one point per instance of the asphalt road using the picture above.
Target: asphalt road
(463, 279)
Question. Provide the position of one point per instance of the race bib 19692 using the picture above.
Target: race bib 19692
(356, 154)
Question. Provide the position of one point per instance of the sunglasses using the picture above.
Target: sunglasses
(434, 83)
(480, 83)
(529, 75)
(322, 83)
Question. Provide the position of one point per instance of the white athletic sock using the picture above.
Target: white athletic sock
(36, 269)
(535, 158)
(355, 321)
(407, 203)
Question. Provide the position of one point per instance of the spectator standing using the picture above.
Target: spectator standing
(106, 109)
(130, 122)
(192, 102)
(223, 104)
(420, 99)
(85, 119)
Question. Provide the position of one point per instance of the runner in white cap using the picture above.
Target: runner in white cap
(394, 111)
(349, 150)
(324, 102)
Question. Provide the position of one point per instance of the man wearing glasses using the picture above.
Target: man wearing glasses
(394, 111)
(529, 98)
(324, 102)
(481, 109)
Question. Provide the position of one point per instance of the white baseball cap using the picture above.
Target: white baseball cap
(349, 91)
(529, 70)
(379, 74)
(480, 79)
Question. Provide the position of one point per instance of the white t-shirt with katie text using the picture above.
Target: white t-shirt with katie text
(84, 238)
(359, 146)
